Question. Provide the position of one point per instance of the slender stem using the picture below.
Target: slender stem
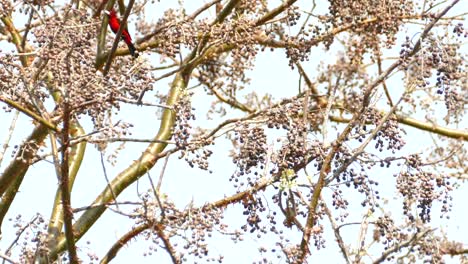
(118, 37)
(64, 187)
(6, 144)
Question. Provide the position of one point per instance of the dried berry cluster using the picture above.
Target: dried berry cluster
(363, 184)
(406, 51)
(228, 74)
(359, 180)
(194, 226)
(184, 115)
(250, 8)
(193, 150)
(446, 62)
(252, 151)
(173, 31)
(386, 229)
(65, 61)
(14, 82)
(344, 73)
(253, 207)
(299, 52)
(318, 236)
(5, 8)
(39, 3)
(390, 132)
(339, 202)
(389, 16)
(429, 250)
(460, 30)
(291, 251)
(31, 237)
(443, 56)
(294, 150)
(421, 188)
(438, 64)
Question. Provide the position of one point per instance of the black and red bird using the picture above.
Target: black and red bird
(114, 24)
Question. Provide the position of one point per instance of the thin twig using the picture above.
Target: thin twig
(169, 248)
(362, 237)
(129, 101)
(6, 144)
(19, 233)
(384, 85)
(413, 240)
(360, 149)
(158, 188)
(7, 258)
(26, 31)
(118, 37)
(84, 208)
(107, 180)
(203, 8)
(273, 13)
(331, 99)
(426, 126)
(156, 196)
(336, 231)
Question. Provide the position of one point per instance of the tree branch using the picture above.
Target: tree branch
(413, 240)
(326, 167)
(112, 252)
(13, 175)
(118, 37)
(29, 113)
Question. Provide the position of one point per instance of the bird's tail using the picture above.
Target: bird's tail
(132, 50)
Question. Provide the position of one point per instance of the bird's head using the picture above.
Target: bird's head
(110, 13)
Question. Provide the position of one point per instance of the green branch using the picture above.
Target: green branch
(12, 177)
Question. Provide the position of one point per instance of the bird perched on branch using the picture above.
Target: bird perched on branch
(114, 24)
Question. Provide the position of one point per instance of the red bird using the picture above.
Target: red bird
(114, 24)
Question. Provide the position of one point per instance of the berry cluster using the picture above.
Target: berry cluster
(252, 150)
(419, 188)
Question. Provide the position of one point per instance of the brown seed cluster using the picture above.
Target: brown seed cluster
(386, 230)
(228, 74)
(5, 8)
(66, 52)
(420, 188)
(183, 129)
(173, 31)
(389, 15)
(250, 8)
(391, 133)
(31, 237)
(294, 150)
(252, 151)
(296, 147)
(439, 64)
(193, 149)
(447, 62)
(194, 226)
(253, 207)
(14, 82)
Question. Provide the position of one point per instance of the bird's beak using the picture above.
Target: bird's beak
(106, 12)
